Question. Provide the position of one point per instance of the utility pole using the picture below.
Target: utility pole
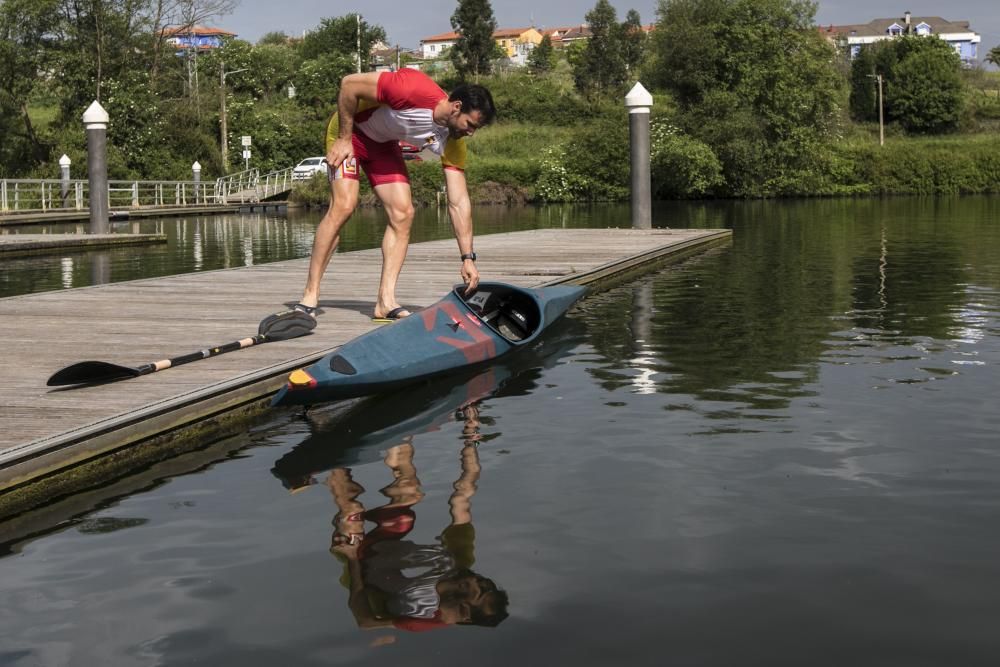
(881, 109)
(881, 112)
(358, 16)
(223, 129)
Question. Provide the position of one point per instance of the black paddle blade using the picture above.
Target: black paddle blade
(286, 324)
(91, 372)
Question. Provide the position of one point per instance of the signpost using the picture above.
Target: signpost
(246, 141)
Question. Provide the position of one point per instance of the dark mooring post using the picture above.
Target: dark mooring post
(638, 101)
(95, 119)
(64, 163)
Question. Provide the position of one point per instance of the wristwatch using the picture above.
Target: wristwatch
(469, 255)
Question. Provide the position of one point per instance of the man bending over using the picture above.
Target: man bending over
(375, 111)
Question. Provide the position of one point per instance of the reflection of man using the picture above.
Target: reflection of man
(375, 111)
(397, 583)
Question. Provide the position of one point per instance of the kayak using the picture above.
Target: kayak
(363, 432)
(459, 331)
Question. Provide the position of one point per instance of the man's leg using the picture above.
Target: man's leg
(343, 201)
(398, 203)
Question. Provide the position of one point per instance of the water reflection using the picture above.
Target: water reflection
(819, 455)
(395, 582)
(100, 269)
(359, 435)
(393, 579)
(67, 272)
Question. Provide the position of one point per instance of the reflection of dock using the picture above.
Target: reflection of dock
(46, 431)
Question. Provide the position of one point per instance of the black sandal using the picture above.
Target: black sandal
(308, 310)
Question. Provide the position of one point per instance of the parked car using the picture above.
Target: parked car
(304, 170)
(410, 152)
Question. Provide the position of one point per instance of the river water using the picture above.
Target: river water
(779, 452)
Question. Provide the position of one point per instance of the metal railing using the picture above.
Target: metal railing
(26, 195)
(275, 183)
(46, 194)
(239, 187)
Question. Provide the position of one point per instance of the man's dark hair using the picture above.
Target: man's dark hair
(475, 98)
(493, 607)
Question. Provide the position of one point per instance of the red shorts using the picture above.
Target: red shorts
(382, 162)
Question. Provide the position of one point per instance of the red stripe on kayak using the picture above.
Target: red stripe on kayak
(480, 348)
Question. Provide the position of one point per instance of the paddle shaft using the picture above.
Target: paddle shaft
(146, 369)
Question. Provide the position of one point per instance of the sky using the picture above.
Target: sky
(406, 22)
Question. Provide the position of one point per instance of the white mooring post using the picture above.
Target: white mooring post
(95, 120)
(196, 172)
(64, 163)
(638, 102)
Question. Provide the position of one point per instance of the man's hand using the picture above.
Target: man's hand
(470, 275)
(347, 545)
(340, 150)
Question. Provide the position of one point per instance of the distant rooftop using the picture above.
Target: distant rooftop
(879, 27)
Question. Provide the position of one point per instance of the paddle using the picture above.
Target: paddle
(280, 326)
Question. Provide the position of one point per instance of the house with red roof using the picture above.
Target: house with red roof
(517, 43)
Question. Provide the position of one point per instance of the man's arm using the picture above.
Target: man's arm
(353, 89)
(460, 211)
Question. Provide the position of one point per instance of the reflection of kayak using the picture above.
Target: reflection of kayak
(458, 331)
(363, 433)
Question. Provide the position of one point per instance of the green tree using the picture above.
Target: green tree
(633, 41)
(475, 49)
(317, 82)
(864, 96)
(25, 51)
(994, 56)
(601, 68)
(542, 57)
(754, 81)
(276, 37)
(340, 35)
(922, 86)
(924, 89)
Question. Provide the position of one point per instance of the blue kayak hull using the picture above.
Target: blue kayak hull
(456, 332)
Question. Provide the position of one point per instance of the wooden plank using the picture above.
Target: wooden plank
(141, 321)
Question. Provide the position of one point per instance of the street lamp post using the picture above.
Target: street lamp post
(223, 130)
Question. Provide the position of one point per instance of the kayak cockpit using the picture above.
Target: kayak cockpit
(512, 313)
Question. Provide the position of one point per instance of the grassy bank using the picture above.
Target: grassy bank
(520, 163)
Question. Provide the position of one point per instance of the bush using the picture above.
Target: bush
(593, 166)
(520, 98)
(314, 192)
(680, 165)
(923, 167)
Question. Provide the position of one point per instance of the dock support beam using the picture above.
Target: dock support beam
(95, 119)
(638, 101)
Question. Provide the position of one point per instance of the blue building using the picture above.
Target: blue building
(196, 37)
(957, 34)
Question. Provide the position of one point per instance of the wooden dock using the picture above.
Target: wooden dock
(121, 214)
(45, 433)
(42, 244)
